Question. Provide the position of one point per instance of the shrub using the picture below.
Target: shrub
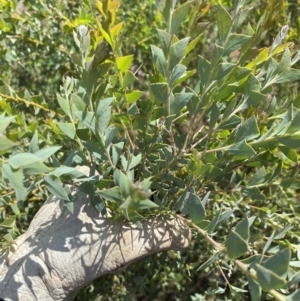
(208, 139)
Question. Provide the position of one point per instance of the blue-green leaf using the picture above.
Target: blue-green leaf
(203, 69)
(192, 206)
(248, 130)
(279, 263)
(177, 73)
(179, 101)
(23, 159)
(224, 22)
(177, 51)
(111, 194)
(54, 185)
(267, 279)
(68, 129)
(64, 104)
(179, 15)
(234, 42)
(165, 40)
(241, 149)
(160, 91)
(160, 60)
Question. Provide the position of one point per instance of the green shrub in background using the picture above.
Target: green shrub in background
(207, 136)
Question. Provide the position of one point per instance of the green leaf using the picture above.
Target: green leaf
(99, 204)
(230, 123)
(124, 62)
(159, 60)
(111, 194)
(192, 206)
(221, 219)
(177, 51)
(288, 76)
(255, 98)
(229, 109)
(176, 74)
(86, 42)
(192, 44)
(33, 147)
(224, 22)
(36, 168)
(4, 122)
(76, 59)
(281, 234)
(295, 124)
(236, 245)
(87, 119)
(165, 40)
(64, 104)
(285, 61)
(242, 228)
(279, 263)
(255, 289)
(125, 206)
(47, 152)
(78, 102)
(133, 110)
(287, 118)
(103, 119)
(179, 101)
(267, 279)
(248, 130)
(241, 17)
(217, 55)
(258, 177)
(14, 177)
(66, 170)
(252, 84)
(134, 161)
(129, 78)
(241, 149)
(144, 204)
(253, 193)
(160, 91)
(277, 171)
(116, 152)
(272, 67)
(179, 16)
(214, 116)
(210, 261)
(67, 128)
(234, 42)
(124, 184)
(23, 159)
(167, 7)
(223, 70)
(5, 144)
(102, 106)
(54, 185)
(134, 96)
(203, 69)
(292, 141)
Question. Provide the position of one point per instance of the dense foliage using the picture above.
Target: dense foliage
(187, 109)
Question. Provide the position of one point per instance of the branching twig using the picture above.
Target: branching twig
(28, 103)
(241, 265)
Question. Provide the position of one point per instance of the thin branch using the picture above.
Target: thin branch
(241, 265)
(28, 103)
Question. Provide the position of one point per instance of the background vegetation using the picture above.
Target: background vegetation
(38, 58)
